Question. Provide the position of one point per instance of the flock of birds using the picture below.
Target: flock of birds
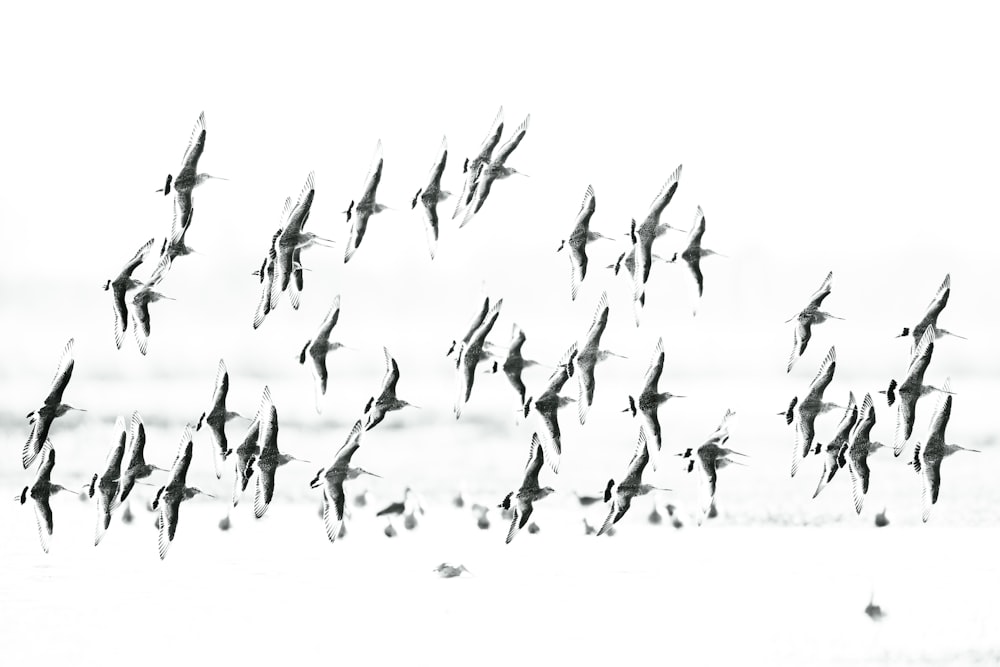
(257, 457)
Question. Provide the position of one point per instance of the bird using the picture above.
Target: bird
(587, 501)
(930, 317)
(40, 491)
(857, 450)
(123, 283)
(188, 178)
(430, 195)
(831, 462)
(472, 166)
(807, 317)
(548, 404)
(515, 363)
(927, 459)
(709, 458)
(482, 518)
(522, 501)
(136, 469)
(909, 391)
(803, 413)
(107, 485)
(648, 231)
(269, 459)
(268, 295)
(387, 401)
(693, 253)
(578, 240)
(332, 480)
(249, 450)
(140, 314)
(447, 571)
(216, 418)
(630, 487)
(366, 206)
(651, 399)
(52, 408)
(589, 355)
(873, 611)
(408, 508)
(469, 356)
(881, 520)
(494, 169)
(170, 496)
(318, 347)
(474, 324)
(174, 246)
(293, 241)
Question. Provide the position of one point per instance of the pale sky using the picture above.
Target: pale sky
(860, 139)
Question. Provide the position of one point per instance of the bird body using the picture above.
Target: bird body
(366, 206)
(41, 419)
(804, 412)
(123, 283)
(807, 317)
(108, 484)
(174, 492)
(40, 491)
(216, 418)
(315, 350)
(909, 391)
(694, 252)
(588, 357)
(492, 170)
(631, 486)
(469, 357)
(548, 404)
(523, 500)
(578, 240)
(859, 447)
(136, 469)
(651, 228)
(430, 195)
(473, 166)
(332, 479)
(931, 315)
(387, 401)
(650, 400)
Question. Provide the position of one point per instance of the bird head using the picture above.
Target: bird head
(631, 406)
(24, 495)
(690, 465)
(789, 414)
(527, 406)
(607, 490)
(302, 354)
(562, 244)
(505, 503)
(687, 453)
(92, 486)
(107, 286)
(316, 480)
(890, 393)
(350, 208)
(413, 204)
(905, 333)
(673, 259)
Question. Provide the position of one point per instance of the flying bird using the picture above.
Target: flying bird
(473, 325)
(249, 450)
(472, 167)
(174, 246)
(469, 357)
(630, 487)
(911, 389)
(578, 240)
(590, 355)
(693, 253)
(387, 401)
(268, 295)
(859, 446)
(108, 484)
(651, 228)
(430, 195)
(515, 363)
(169, 496)
(523, 500)
(332, 480)
(269, 458)
(494, 169)
(140, 314)
(548, 404)
(366, 206)
(709, 458)
(832, 449)
(136, 469)
(315, 350)
(651, 399)
(40, 491)
(53, 407)
(216, 418)
(188, 178)
(807, 317)
(123, 283)
(293, 240)
(930, 317)
(927, 459)
(804, 413)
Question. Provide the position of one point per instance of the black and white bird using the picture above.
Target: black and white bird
(216, 418)
(515, 363)
(107, 485)
(859, 446)
(332, 479)
(123, 283)
(693, 253)
(523, 500)
(930, 317)
(630, 487)
(366, 206)
(269, 458)
(316, 349)
(40, 491)
(650, 400)
(548, 404)
(589, 355)
(469, 357)
(430, 195)
(493, 170)
(377, 408)
(578, 240)
(289, 272)
(188, 178)
(174, 246)
(648, 231)
(709, 458)
(136, 469)
(807, 317)
(41, 419)
(141, 323)
(248, 451)
(268, 295)
(170, 496)
(803, 413)
(832, 449)
(927, 458)
(473, 165)
(909, 391)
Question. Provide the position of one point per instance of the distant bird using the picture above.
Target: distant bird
(927, 459)
(140, 314)
(225, 523)
(548, 404)
(53, 407)
(123, 283)
(430, 195)
(873, 611)
(169, 497)
(857, 450)
(651, 399)
(693, 253)
(630, 487)
(587, 501)
(804, 413)
(482, 518)
(107, 485)
(587, 528)
(831, 462)
(249, 450)
(366, 206)
(523, 501)
(268, 295)
(578, 240)
(446, 571)
(361, 499)
(459, 499)
(675, 519)
(136, 469)
(515, 363)
(472, 166)
(127, 516)
(40, 491)
(269, 459)
(407, 506)
(494, 169)
(590, 355)
(655, 517)
(649, 230)
(911, 389)
(315, 350)
(188, 178)
(709, 458)
(291, 243)
(332, 480)
(387, 401)
(881, 520)
(930, 317)
(469, 356)
(807, 317)
(216, 418)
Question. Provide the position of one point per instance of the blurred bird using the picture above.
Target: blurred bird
(446, 571)
(386, 402)
(52, 408)
(873, 611)
(651, 399)
(804, 413)
(709, 458)
(881, 520)
(930, 317)
(807, 317)
(366, 206)
(927, 459)
(216, 418)
(548, 404)
(522, 502)
(430, 195)
(482, 518)
(578, 240)
(40, 491)
(123, 283)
